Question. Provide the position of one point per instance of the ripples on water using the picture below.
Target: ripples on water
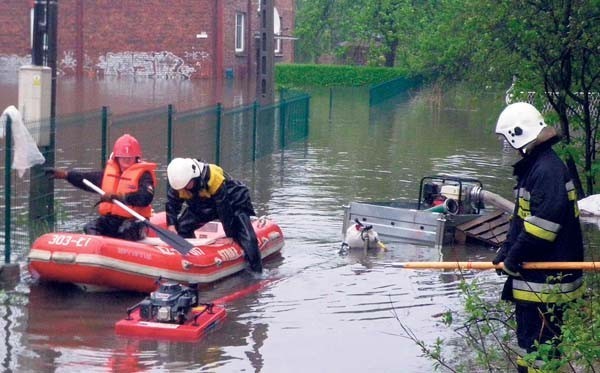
(324, 311)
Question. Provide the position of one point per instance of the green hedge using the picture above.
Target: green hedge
(297, 75)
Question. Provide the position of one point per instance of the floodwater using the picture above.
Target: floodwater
(322, 312)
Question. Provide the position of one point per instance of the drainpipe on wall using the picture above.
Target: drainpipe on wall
(248, 42)
(79, 38)
(219, 41)
(265, 84)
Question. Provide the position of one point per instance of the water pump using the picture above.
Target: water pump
(170, 303)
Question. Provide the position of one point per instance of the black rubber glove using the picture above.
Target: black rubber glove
(55, 173)
(109, 197)
(500, 255)
(512, 267)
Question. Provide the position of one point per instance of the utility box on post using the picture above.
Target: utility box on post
(35, 91)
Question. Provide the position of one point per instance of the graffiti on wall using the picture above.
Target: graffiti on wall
(68, 61)
(12, 62)
(164, 65)
(198, 58)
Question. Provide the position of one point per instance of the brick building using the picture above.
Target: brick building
(154, 38)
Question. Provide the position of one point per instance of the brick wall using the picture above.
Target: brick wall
(155, 38)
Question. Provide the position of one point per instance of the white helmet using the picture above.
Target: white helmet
(520, 123)
(181, 170)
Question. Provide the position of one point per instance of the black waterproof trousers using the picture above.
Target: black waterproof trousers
(116, 227)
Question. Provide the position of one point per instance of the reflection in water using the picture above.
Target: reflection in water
(6, 332)
(325, 312)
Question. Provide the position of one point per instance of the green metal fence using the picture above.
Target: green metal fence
(229, 137)
(383, 91)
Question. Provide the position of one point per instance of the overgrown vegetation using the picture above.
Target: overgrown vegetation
(486, 328)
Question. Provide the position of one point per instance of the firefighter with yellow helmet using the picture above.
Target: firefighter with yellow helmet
(544, 228)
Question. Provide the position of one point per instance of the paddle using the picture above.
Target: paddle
(587, 266)
(176, 241)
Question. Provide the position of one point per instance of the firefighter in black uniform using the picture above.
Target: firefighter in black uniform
(199, 192)
(544, 227)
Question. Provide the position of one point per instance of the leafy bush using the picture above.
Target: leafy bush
(486, 327)
(298, 75)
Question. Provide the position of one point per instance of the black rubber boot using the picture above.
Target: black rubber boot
(246, 237)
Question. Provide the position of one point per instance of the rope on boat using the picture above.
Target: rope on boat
(261, 222)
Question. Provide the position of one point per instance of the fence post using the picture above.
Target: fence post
(254, 129)
(218, 135)
(330, 102)
(307, 116)
(282, 119)
(169, 133)
(104, 135)
(7, 190)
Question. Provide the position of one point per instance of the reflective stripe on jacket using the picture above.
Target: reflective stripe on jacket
(113, 181)
(545, 227)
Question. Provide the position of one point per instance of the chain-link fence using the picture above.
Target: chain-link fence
(228, 137)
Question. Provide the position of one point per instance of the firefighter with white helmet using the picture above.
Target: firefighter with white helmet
(181, 170)
(125, 178)
(199, 192)
(520, 124)
(544, 228)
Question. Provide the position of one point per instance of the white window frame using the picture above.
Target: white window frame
(278, 40)
(240, 31)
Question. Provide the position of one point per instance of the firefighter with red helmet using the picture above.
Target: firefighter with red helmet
(125, 178)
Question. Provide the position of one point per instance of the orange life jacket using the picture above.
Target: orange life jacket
(116, 182)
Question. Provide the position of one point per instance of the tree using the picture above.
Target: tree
(559, 40)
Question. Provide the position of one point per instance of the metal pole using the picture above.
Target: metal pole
(254, 129)
(330, 102)
(7, 190)
(218, 135)
(52, 13)
(169, 133)
(307, 116)
(104, 135)
(41, 189)
(39, 29)
(282, 120)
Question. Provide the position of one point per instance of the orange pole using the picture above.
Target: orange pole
(586, 266)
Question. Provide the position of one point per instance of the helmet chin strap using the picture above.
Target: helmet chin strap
(203, 167)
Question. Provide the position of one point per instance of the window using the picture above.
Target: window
(277, 21)
(240, 20)
(277, 36)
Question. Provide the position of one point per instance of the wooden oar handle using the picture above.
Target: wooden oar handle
(588, 266)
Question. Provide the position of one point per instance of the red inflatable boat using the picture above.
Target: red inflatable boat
(99, 263)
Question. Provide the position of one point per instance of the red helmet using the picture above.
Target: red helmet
(127, 146)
